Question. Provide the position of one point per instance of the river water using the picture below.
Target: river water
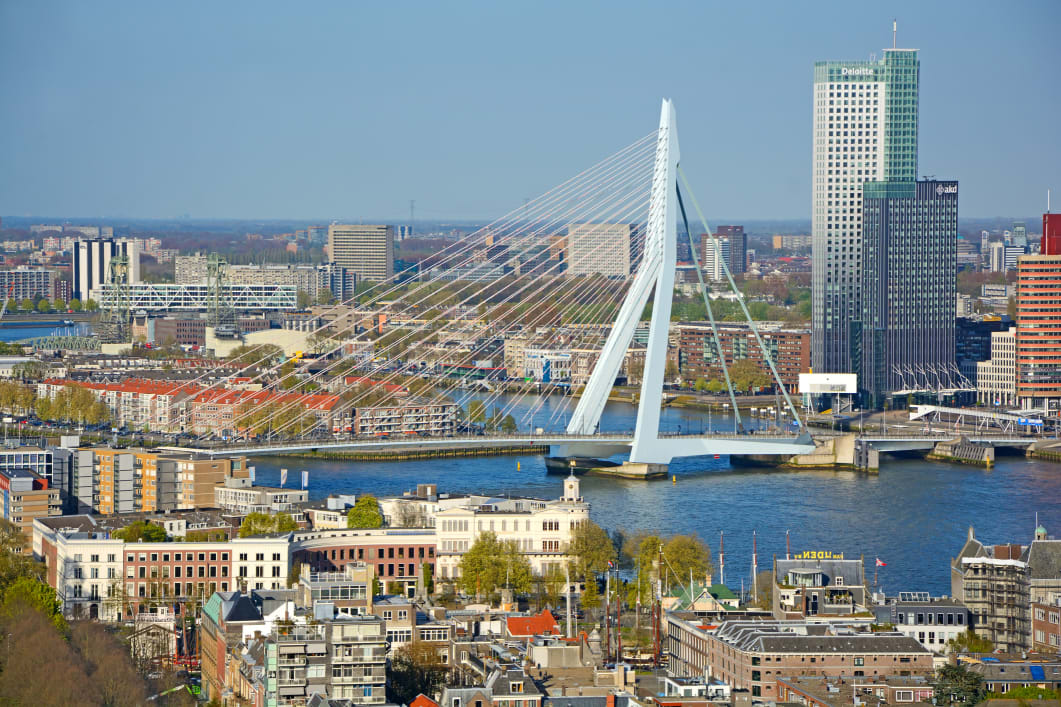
(913, 515)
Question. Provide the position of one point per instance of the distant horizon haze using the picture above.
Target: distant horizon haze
(245, 111)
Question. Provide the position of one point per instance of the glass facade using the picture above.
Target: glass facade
(865, 129)
(906, 330)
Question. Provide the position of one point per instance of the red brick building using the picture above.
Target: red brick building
(698, 353)
(1046, 627)
(396, 555)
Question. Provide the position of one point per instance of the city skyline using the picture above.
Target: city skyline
(248, 127)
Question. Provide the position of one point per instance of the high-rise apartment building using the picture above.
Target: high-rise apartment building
(366, 250)
(26, 283)
(909, 262)
(1039, 322)
(602, 248)
(713, 253)
(92, 259)
(738, 247)
(865, 129)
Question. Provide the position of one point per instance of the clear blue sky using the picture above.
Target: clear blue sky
(347, 110)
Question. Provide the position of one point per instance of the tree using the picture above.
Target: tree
(26, 305)
(476, 411)
(59, 305)
(715, 386)
(590, 595)
(687, 555)
(303, 299)
(141, 530)
(44, 306)
(365, 513)
(75, 304)
(325, 297)
(700, 385)
(956, 684)
(29, 370)
(266, 524)
(591, 549)
(415, 669)
(508, 425)
(746, 374)
(37, 595)
(969, 642)
(491, 564)
(764, 596)
(91, 305)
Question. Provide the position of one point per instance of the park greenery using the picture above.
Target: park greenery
(364, 513)
(969, 642)
(266, 524)
(492, 564)
(46, 660)
(684, 558)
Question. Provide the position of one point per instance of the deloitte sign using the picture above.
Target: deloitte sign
(865, 72)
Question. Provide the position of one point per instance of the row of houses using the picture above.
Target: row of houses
(174, 406)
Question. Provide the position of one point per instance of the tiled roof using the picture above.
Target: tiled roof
(544, 624)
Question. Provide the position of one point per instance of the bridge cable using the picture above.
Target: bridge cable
(710, 313)
(740, 299)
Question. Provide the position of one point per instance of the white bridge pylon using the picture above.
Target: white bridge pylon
(656, 272)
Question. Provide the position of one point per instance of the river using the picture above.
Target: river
(913, 515)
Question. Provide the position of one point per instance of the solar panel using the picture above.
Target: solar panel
(1037, 672)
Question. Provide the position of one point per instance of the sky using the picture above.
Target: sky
(347, 110)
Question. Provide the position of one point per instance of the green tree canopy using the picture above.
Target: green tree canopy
(365, 513)
(957, 685)
(969, 642)
(266, 524)
(687, 555)
(590, 549)
(44, 306)
(491, 564)
(36, 594)
(746, 374)
(75, 304)
(141, 530)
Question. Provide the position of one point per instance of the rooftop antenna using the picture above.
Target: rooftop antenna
(412, 217)
(895, 31)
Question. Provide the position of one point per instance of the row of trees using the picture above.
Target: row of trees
(71, 404)
(44, 305)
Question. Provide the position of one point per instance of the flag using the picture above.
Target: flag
(611, 565)
(250, 469)
(283, 477)
(881, 564)
(305, 479)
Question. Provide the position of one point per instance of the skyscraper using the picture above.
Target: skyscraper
(738, 248)
(598, 248)
(909, 270)
(366, 250)
(865, 129)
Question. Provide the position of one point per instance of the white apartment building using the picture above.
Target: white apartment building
(715, 258)
(602, 248)
(543, 529)
(996, 378)
(98, 576)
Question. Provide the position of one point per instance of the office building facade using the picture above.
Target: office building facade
(865, 129)
(366, 250)
(92, 259)
(908, 295)
(738, 247)
(598, 248)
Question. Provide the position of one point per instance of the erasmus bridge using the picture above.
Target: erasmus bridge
(527, 292)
